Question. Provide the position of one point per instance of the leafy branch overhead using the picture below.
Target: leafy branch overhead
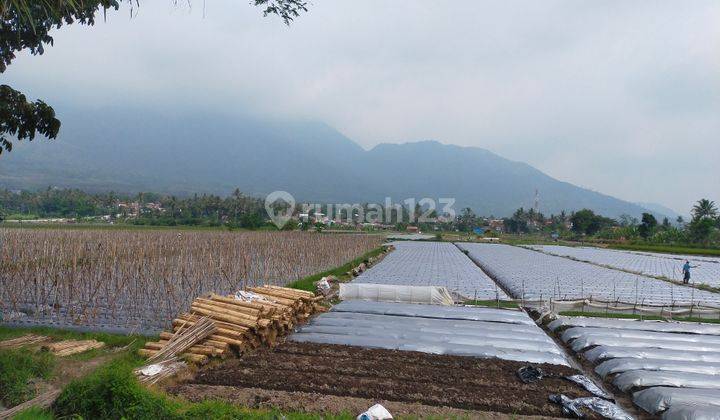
(26, 25)
(23, 119)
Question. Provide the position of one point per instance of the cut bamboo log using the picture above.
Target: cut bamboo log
(192, 319)
(43, 400)
(236, 310)
(25, 340)
(222, 315)
(70, 347)
(299, 292)
(251, 308)
(186, 339)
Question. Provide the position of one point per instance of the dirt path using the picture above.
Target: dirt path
(463, 383)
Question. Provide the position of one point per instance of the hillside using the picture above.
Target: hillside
(113, 149)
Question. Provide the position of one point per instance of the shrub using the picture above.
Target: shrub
(17, 369)
(113, 392)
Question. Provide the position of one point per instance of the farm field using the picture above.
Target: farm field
(139, 280)
(669, 368)
(461, 331)
(705, 270)
(529, 274)
(313, 372)
(433, 264)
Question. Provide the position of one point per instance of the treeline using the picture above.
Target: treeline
(703, 228)
(236, 210)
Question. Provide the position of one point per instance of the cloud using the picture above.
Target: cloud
(620, 97)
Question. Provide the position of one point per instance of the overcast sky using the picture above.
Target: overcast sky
(622, 97)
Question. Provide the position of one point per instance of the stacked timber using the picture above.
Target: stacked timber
(69, 347)
(256, 317)
(25, 340)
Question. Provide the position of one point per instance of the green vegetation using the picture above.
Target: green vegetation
(113, 392)
(110, 340)
(307, 283)
(17, 369)
(493, 303)
(635, 316)
(670, 249)
(34, 413)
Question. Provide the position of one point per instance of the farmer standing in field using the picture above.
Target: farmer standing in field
(686, 272)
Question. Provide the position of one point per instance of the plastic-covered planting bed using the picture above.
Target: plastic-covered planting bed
(705, 271)
(433, 264)
(460, 331)
(682, 257)
(530, 275)
(670, 368)
(631, 324)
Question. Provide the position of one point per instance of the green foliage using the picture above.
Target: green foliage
(34, 413)
(493, 303)
(701, 229)
(704, 208)
(22, 119)
(110, 340)
(647, 226)
(17, 368)
(669, 249)
(633, 316)
(112, 392)
(587, 222)
(307, 283)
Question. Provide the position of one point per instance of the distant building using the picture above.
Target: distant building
(498, 225)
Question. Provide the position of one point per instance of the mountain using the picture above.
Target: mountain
(130, 151)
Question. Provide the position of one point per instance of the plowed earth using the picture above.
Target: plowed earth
(308, 369)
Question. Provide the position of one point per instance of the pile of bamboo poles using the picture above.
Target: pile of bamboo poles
(25, 340)
(69, 347)
(185, 341)
(166, 369)
(43, 400)
(240, 325)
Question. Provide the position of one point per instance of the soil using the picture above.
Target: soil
(321, 403)
(463, 383)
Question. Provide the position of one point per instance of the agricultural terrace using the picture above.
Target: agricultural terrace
(529, 274)
(139, 280)
(704, 270)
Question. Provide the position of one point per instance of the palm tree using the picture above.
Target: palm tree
(704, 209)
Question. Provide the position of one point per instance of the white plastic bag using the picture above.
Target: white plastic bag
(151, 370)
(250, 297)
(376, 412)
(323, 286)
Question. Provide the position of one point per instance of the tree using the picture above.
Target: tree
(704, 209)
(701, 229)
(26, 25)
(647, 225)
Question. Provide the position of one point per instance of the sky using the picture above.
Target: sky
(622, 97)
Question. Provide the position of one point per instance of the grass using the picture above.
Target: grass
(34, 413)
(308, 283)
(634, 316)
(493, 303)
(668, 249)
(18, 367)
(110, 340)
(113, 392)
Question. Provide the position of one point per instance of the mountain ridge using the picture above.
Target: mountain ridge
(131, 151)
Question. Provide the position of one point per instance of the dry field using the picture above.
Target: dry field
(138, 280)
